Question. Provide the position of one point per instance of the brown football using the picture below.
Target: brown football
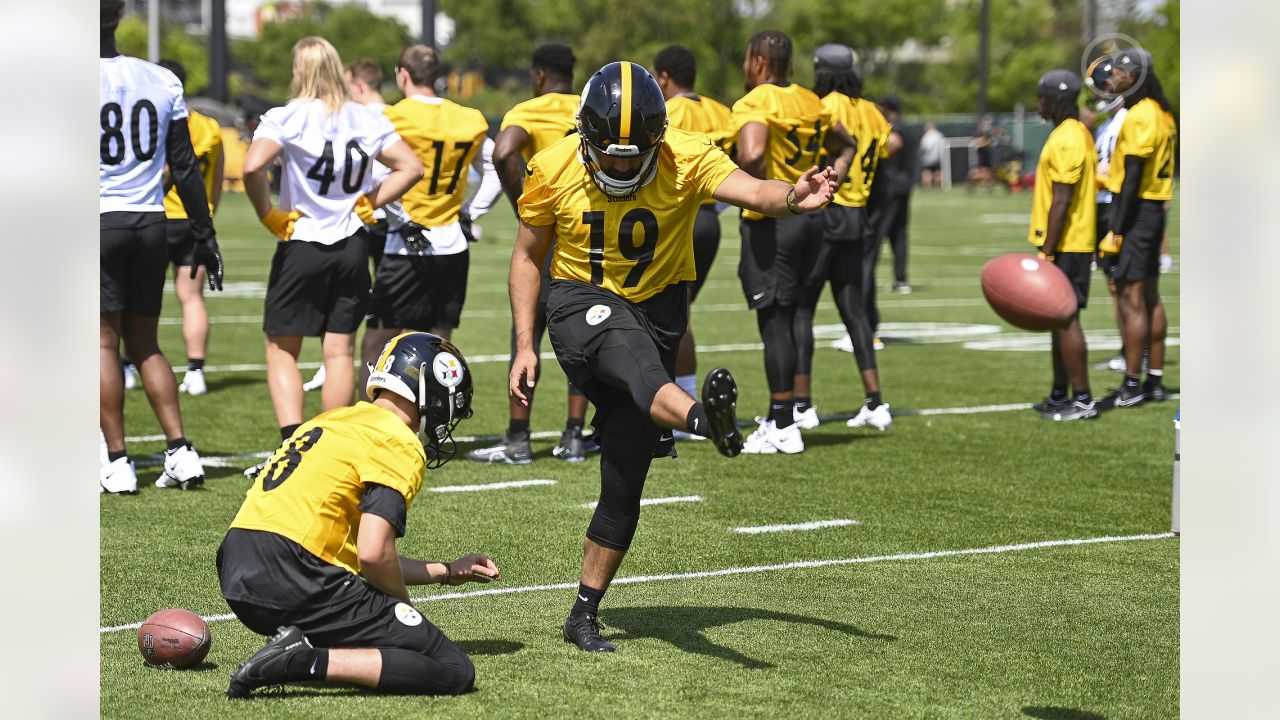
(174, 638)
(1029, 292)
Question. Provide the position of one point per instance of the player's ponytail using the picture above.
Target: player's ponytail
(318, 73)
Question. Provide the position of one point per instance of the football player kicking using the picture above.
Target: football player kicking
(1063, 226)
(311, 556)
(620, 201)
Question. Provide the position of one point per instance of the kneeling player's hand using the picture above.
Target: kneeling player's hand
(472, 568)
(524, 368)
(364, 210)
(815, 188)
(207, 256)
(280, 223)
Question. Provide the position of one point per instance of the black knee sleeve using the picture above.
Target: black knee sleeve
(447, 671)
(775, 323)
(626, 451)
(629, 360)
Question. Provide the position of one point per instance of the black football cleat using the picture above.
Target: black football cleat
(1050, 405)
(1072, 410)
(1154, 392)
(1122, 397)
(720, 399)
(583, 629)
(269, 666)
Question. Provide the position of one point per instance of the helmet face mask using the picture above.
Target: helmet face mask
(622, 114)
(430, 372)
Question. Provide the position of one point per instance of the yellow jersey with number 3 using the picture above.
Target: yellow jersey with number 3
(633, 246)
(870, 129)
(446, 137)
(206, 140)
(1068, 157)
(797, 123)
(547, 119)
(311, 488)
(1148, 132)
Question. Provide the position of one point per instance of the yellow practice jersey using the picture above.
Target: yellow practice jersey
(870, 129)
(1148, 132)
(311, 488)
(446, 137)
(797, 122)
(206, 140)
(704, 115)
(546, 118)
(1068, 157)
(634, 246)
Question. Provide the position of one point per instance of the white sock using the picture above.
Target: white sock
(689, 384)
(1157, 373)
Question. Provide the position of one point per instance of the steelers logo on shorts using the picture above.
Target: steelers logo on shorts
(597, 314)
(407, 615)
(447, 369)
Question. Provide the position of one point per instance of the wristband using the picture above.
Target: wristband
(791, 202)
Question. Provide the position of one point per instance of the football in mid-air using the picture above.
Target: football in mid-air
(1029, 292)
(174, 638)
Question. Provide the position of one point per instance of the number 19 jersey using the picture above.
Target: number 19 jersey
(797, 122)
(633, 246)
(311, 488)
(327, 159)
(138, 101)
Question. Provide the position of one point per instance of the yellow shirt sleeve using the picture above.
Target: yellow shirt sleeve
(748, 110)
(710, 168)
(389, 462)
(1066, 159)
(1139, 132)
(535, 202)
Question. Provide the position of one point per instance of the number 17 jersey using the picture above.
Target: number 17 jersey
(328, 161)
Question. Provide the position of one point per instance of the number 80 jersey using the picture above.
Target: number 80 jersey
(138, 102)
(632, 246)
(328, 161)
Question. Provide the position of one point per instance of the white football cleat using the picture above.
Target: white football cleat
(118, 477)
(103, 461)
(879, 418)
(131, 381)
(316, 382)
(193, 383)
(182, 469)
(808, 419)
(769, 440)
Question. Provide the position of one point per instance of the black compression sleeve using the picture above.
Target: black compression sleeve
(184, 172)
(1126, 210)
(387, 504)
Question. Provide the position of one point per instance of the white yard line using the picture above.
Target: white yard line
(794, 527)
(799, 564)
(490, 486)
(657, 501)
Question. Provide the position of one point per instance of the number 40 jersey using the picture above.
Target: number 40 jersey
(327, 158)
(138, 102)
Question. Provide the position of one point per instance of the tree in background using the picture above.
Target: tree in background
(175, 44)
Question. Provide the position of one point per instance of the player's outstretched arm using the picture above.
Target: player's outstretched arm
(776, 198)
(524, 284)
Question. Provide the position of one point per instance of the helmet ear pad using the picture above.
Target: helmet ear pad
(430, 372)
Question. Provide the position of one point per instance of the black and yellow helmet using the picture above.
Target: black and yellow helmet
(622, 114)
(430, 372)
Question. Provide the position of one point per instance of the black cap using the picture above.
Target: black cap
(834, 56)
(1133, 59)
(1059, 83)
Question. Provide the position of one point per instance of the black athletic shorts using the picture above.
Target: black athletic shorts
(579, 315)
(182, 242)
(316, 289)
(706, 242)
(1078, 267)
(1139, 257)
(419, 292)
(132, 262)
(772, 265)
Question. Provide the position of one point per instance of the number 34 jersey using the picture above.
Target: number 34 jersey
(138, 102)
(328, 161)
(311, 488)
(797, 122)
(633, 246)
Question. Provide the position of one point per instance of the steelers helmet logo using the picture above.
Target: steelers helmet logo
(598, 314)
(447, 369)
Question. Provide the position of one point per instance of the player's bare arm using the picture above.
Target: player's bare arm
(379, 561)
(1057, 218)
(813, 190)
(841, 145)
(509, 163)
(752, 140)
(524, 285)
(406, 170)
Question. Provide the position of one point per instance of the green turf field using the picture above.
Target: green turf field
(1022, 629)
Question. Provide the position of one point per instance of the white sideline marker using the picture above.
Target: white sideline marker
(490, 486)
(656, 501)
(811, 525)
(989, 550)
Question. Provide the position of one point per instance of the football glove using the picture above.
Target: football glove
(206, 255)
(364, 209)
(414, 236)
(464, 221)
(1110, 244)
(280, 223)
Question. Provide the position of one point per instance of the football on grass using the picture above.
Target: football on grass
(173, 638)
(1028, 292)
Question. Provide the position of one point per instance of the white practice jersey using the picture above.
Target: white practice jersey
(328, 162)
(1105, 144)
(138, 102)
